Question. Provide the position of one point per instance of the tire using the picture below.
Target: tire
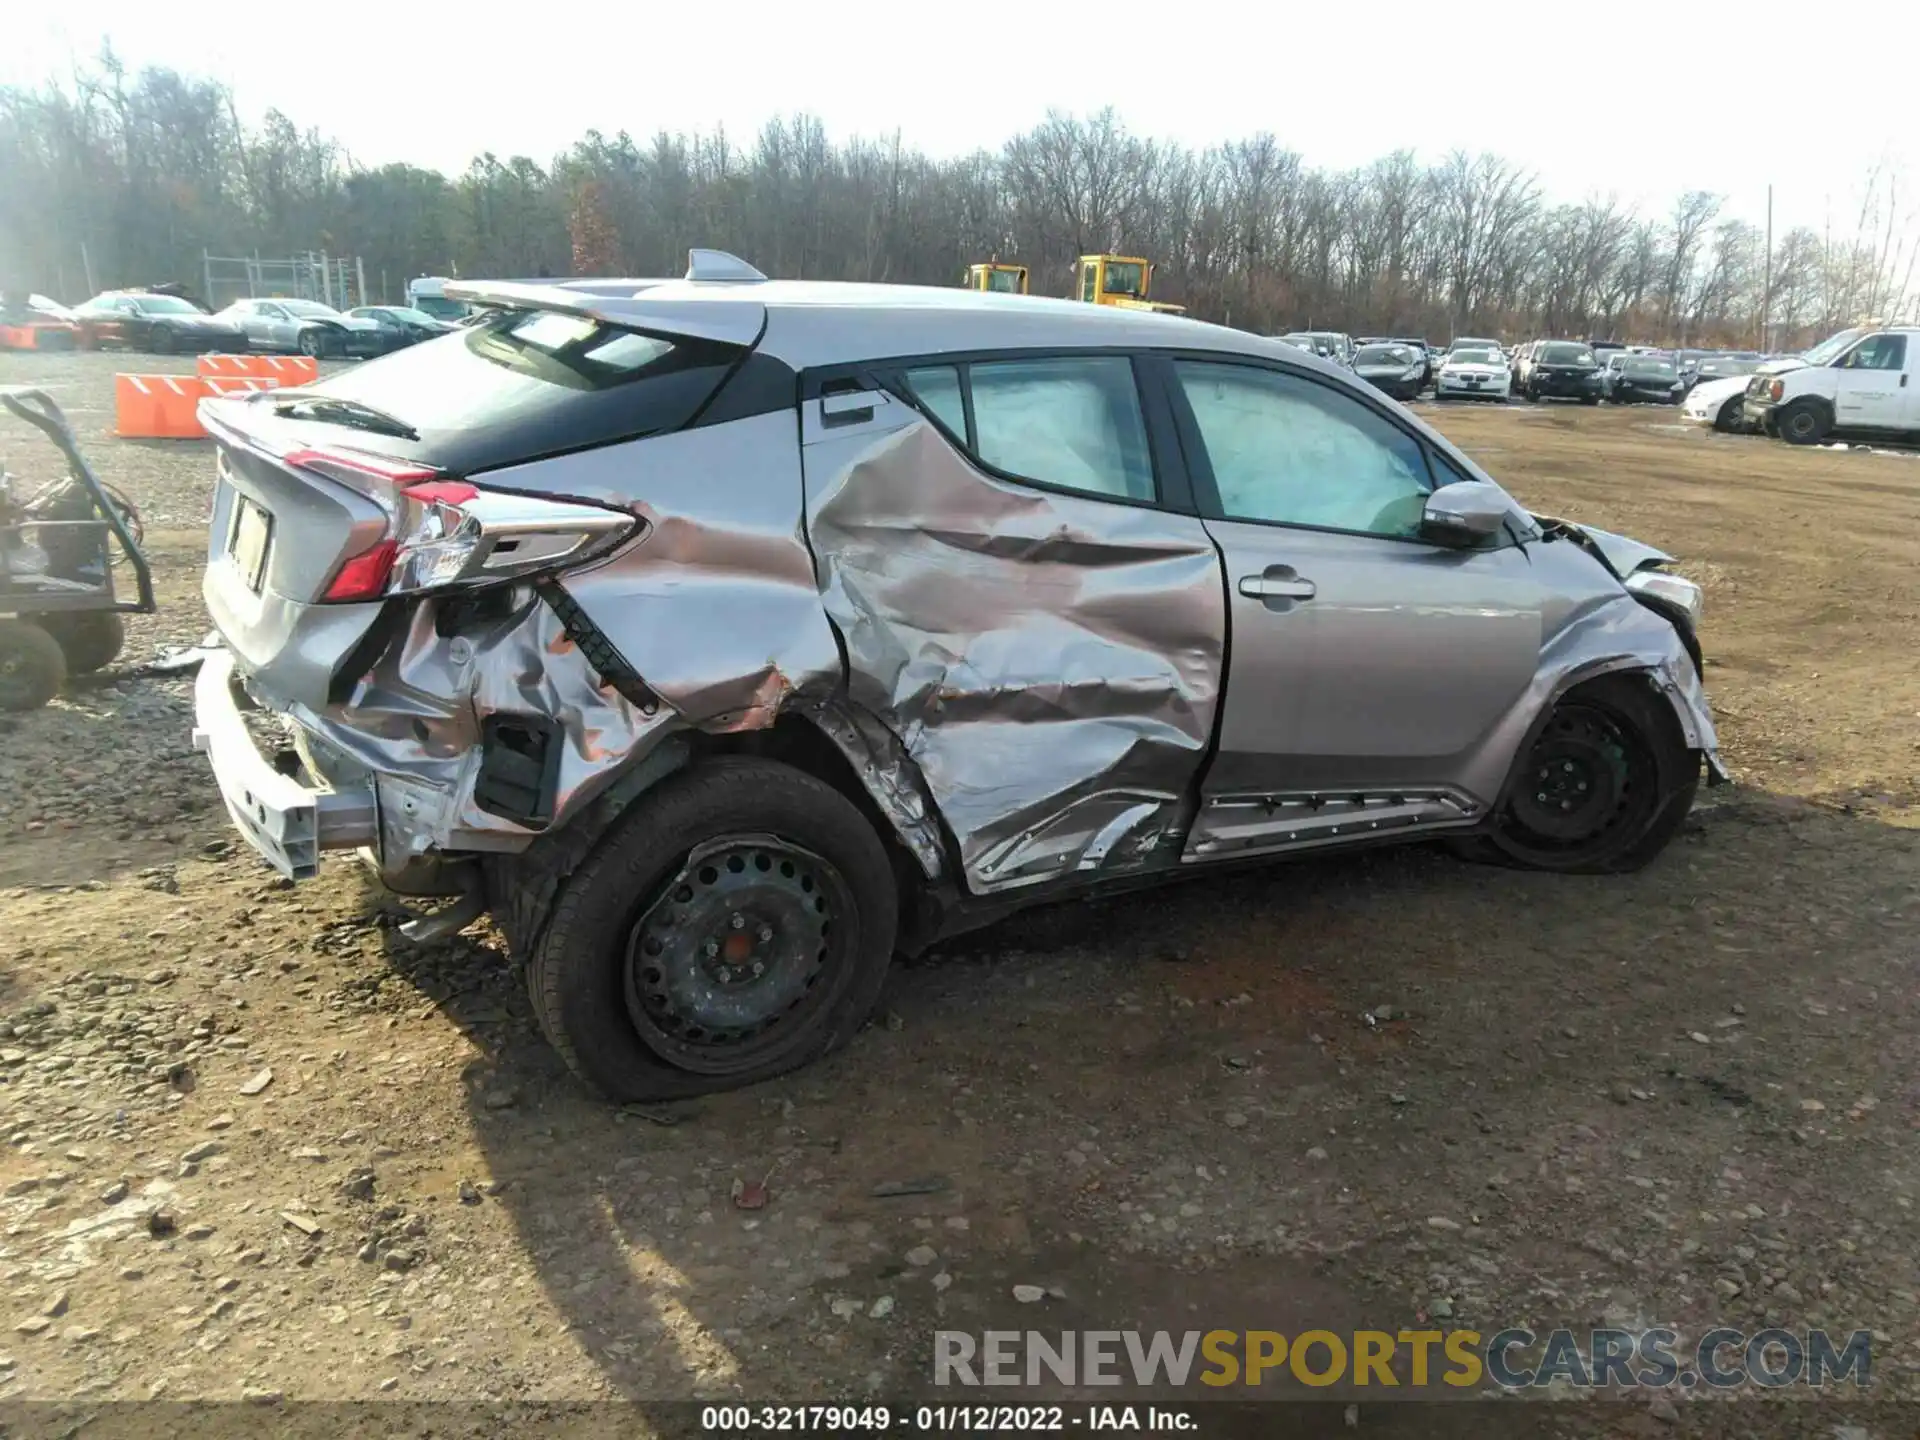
(160, 340)
(90, 639)
(32, 669)
(1731, 417)
(638, 960)
(1804, 422)
(313, 343)
(1589, 399)
(1603, 786)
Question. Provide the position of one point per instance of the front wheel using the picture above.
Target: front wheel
(1589, 399)
(1731, 416)
(313, 343)
(160, 340)
(1804, 422)
(737, 923)
(1604, 785)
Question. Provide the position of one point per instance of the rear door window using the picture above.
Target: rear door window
(1070, 422)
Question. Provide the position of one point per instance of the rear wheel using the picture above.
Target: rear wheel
(735, 924)
(1805, 422)
(32, 669)
(1603, 787)
(90, 640)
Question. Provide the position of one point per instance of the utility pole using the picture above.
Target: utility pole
(1766, 292)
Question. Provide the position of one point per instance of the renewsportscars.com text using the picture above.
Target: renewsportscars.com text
(1515, 1359)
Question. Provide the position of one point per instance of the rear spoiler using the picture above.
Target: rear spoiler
(670, 308)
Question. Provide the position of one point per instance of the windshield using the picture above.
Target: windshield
(313, 309)
(1832, 347)
(439, 307)
(1647, 365)
(1005, 282)
(1383, 355)
(1470, 357)
(163, 305)
(1127, 277)
(1565, 355)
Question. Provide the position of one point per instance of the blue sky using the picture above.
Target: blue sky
(1716, 98)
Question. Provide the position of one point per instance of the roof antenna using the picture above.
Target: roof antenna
(718, 265)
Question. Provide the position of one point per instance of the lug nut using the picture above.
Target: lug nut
(759, 968)
(739, 921)
(766, 934)
(712, 948)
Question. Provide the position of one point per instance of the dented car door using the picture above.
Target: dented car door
(1022, 602)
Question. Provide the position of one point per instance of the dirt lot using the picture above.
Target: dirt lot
(255, 1144)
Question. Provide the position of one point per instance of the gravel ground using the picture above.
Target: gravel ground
(255, 1144)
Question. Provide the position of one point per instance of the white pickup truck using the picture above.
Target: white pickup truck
(1866, 379)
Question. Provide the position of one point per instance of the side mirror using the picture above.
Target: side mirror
(1464, 513)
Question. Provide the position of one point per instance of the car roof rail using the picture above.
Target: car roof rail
(718, 265)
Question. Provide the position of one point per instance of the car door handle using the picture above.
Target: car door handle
(1276, 585)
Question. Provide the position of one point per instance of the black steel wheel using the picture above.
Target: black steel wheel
(160, 339)
(736, 922)
(1731, 417)
(731, 949)
(32, 669)
(1604, 784)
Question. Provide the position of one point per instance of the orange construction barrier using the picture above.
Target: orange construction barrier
(158, 407)
(287, 369)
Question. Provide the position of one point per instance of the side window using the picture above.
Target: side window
(1291, 451)
(937, 387)
(1089, 281)
(1878, 352)
(1074, 423)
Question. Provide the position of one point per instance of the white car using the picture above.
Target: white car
(1473, 375)
(1717, 403)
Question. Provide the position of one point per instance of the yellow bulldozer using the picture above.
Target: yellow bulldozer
(1122, 280)
(999, 278)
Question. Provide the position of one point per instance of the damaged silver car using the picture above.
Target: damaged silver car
(726, 637)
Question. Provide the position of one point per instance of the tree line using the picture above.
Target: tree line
(120, 177)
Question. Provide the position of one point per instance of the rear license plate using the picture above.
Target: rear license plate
(250, 542)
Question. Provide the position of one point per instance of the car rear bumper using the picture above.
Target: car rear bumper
(287, 822)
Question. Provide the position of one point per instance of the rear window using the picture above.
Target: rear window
(1564, 355)
(1383, 355)
(523, 384)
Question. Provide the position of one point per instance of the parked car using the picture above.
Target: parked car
(162, 324)
(1561, 370)
(401, 325)
(33, 322)
(1399, 370)
(1470, 374)
(1862, 380)
(1428, 359)
(1327, 344)
(1631, 377)
(1470, 343)
(305, 326)
(727, 639)
(1719, 402)
(1721, 367)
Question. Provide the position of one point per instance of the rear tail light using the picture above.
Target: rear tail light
(447, 532)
